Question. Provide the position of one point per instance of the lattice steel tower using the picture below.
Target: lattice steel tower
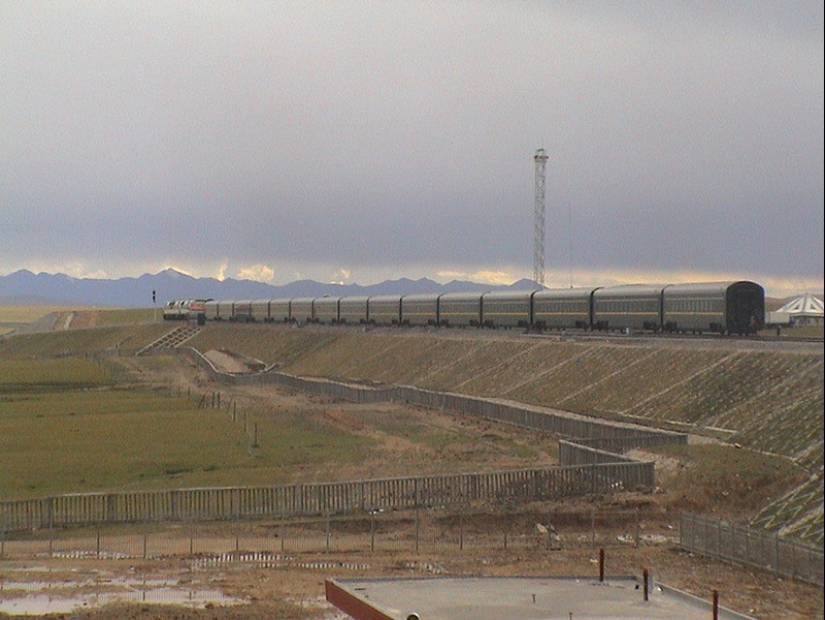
(538, 220)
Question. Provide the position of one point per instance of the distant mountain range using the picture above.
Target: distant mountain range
(24, 288)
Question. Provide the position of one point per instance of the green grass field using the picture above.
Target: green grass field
(65, 428)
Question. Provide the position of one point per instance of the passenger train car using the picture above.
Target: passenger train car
(711, 307)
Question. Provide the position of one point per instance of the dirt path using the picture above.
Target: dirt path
(226, 362)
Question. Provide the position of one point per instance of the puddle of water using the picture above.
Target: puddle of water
(38, 598)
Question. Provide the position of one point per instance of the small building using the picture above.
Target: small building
(804, 310)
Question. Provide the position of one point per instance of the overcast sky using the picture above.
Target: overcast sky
(364, 141)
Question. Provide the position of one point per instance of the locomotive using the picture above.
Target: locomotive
(183, 309)
(736, 307)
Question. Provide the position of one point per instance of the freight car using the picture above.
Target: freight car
(715, 307)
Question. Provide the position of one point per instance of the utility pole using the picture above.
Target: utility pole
(540, 159)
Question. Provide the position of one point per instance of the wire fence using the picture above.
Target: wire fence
(736, 543)
(352, 516)
(445, 530)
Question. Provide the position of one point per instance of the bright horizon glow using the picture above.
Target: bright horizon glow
(774, 287)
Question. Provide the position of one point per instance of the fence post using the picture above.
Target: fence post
(506, 527)
(695, 534)
(776, 551)
(793, 560)
(238, 531)
(646, 579)
(593, 526)
(417, 529)
(461, 528)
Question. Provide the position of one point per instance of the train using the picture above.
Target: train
(729, 308)
(183, 309)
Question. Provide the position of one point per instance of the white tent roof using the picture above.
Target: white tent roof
(807, 305)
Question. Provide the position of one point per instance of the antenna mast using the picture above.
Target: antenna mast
(538, 220)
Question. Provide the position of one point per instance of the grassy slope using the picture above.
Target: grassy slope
(768, 401)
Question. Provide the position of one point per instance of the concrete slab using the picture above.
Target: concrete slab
(517, 598)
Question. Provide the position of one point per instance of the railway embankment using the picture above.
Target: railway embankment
(769, 400)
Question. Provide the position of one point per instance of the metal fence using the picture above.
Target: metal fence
(440, 529)
(598, 434)
(736, 543)
(588, 441)
(590, 463)
(215, 504)
(591, 458)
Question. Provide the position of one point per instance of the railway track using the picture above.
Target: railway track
(745, 342)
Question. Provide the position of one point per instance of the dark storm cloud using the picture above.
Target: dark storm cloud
(397, 139)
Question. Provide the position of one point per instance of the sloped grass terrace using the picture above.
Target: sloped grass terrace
(770, 401)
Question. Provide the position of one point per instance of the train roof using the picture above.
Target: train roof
(521, 295)
(563, 293)
(629, 290)
(691, 288)
(422, 296)
(386, 297)
(462, 296)
(355, 299)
